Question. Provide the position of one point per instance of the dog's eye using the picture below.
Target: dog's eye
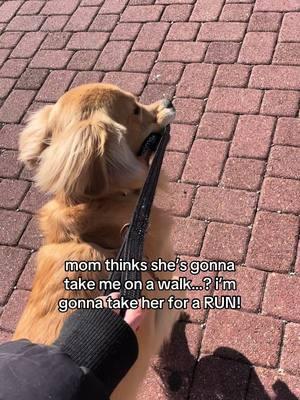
(136, 110)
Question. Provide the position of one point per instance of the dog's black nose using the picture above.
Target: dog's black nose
(168, 103)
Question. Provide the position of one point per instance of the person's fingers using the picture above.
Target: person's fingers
(135, 317)
(114, 295)
(132, 317)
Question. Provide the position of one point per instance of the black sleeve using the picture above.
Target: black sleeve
(36, 372)
(93, 353)
(101, 341)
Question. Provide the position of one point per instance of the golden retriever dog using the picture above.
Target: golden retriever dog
(84, 151)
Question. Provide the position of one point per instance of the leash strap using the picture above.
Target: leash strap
(133, 244)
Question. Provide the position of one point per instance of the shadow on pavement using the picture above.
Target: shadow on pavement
(224, 375)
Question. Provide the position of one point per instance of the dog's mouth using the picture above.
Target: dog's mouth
(150, 144)
(165, 117)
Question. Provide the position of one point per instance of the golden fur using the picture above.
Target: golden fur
(84, 150)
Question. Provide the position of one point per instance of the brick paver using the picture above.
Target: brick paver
(243, 173)
(205, 162)
(233, 162)
(229, 329)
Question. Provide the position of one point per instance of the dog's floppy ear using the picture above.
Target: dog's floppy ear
(86, 159)
(35, 138)
(124, 169)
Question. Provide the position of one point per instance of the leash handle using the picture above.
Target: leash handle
(133, 244)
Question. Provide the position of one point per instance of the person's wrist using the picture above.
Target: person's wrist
(101, 341)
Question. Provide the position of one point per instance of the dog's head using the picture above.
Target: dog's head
(86, 145)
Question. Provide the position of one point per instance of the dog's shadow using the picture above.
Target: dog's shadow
(224, 375)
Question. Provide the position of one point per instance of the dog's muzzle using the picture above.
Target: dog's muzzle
(169, 104)
(151, 142)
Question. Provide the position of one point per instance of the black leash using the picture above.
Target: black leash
(133, 245)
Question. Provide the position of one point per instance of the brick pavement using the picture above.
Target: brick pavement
(234, 163)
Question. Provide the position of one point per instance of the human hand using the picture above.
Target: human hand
(133, 317)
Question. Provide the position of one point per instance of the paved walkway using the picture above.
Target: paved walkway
(234, 161)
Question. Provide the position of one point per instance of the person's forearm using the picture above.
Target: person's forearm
(94, 351)
(101, 341)
(32, 371)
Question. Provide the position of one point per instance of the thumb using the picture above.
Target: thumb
(135, 317)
